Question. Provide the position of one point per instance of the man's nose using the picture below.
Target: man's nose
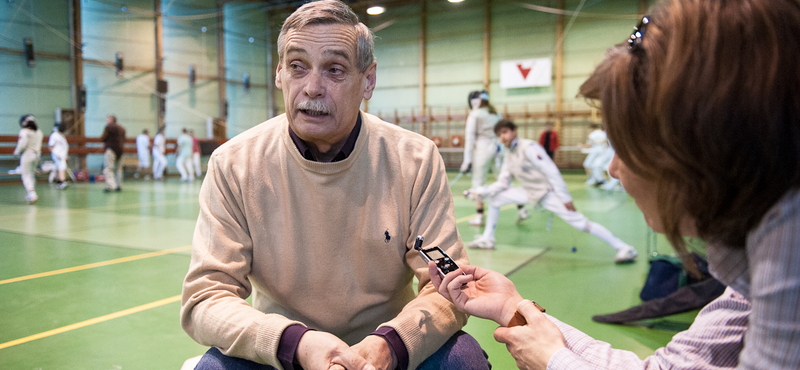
(314, 87)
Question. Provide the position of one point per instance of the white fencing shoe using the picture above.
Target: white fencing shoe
(481, 242)
(522, 215)
(625, 255)
(477, 220)
(32, 197)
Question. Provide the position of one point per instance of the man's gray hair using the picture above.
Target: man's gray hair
(330, 12)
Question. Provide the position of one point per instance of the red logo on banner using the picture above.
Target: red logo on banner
(524, 71)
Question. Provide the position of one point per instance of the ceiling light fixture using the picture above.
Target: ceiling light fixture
(375, 10)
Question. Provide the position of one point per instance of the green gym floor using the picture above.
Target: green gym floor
(90, 280)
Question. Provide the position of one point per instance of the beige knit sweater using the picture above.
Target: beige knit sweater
(328, 245)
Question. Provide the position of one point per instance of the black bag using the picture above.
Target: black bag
(667, 275)
(669, 288)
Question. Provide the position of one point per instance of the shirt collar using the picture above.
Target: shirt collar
(345, 152)
(513, 144)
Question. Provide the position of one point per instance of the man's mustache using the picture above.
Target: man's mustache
(314, 107)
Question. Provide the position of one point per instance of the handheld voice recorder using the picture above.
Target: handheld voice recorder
(444, 263)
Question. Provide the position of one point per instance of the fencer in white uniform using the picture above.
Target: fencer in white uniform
(480, 144)
(528, 163)
(59, 151)
(596, 158)
(159, 154)
(143, 150)
(29, 148)
(183, 156)
(606, 158)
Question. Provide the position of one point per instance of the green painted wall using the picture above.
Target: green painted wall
(107, 30)
(454, 49)
(454, 57)
(519, 33)
(186, 44)
(397, 53)
(245, 22)
(45, 87)
(454, 52)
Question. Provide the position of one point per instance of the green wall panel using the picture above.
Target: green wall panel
(454, 57)
(397, 54)
(107, 30)
(45, 87)
(247, 44)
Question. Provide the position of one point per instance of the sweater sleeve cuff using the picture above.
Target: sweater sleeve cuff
(396, 345)
(287, 347)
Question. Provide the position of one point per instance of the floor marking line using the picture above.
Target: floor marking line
(135, 205)
(97, 264)
(526, 263)
(72, 240)
(110, 208)
(39, 212)
(93, 321)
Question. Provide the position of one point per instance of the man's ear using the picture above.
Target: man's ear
(278, 76)
(369, 80)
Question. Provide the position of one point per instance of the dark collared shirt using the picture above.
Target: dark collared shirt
(348, 147)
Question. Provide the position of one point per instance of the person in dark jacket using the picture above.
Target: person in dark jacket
(114, 140)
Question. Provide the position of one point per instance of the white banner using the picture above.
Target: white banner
(526, 73)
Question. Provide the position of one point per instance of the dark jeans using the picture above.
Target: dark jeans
(461, 352)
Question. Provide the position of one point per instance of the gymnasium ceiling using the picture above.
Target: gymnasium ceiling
(359, 6)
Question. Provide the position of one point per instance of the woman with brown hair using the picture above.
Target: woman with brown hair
(702, 105)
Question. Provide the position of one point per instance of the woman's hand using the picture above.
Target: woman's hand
(481, 292)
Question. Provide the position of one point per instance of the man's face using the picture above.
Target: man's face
(109, 119)
(507, 136)
(322, 86)
(475, 103)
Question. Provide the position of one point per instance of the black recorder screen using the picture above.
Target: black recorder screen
(435, 254)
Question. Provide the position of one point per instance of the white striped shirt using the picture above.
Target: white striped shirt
(755, 324)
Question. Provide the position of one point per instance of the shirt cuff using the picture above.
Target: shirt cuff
(396, 345)
(287, 346)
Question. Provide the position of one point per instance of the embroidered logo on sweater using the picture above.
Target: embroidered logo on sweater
(388, 237)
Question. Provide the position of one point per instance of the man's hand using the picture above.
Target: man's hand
(470, 195)
(570, 207)
(488, 294)
(534, 344)
(465, 166)
(319, 350)
(377, 352)
(476, 193)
